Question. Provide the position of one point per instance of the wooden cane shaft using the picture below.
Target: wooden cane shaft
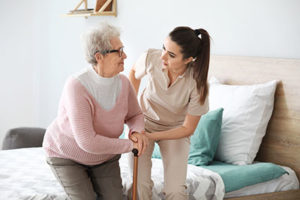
(135, 174)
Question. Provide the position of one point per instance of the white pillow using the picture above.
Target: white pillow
(247, 111)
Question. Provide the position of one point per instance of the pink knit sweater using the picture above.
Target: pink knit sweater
(85, 132)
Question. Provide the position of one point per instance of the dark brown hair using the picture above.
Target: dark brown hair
(196, 44)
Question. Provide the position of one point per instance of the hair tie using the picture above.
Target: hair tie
(197, 32)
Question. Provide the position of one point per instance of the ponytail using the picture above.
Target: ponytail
(196, 44)
(201, 64)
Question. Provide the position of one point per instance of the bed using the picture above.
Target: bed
(27, 176)
(281, 144)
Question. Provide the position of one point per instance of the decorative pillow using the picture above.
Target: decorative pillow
(247, 111)
(156, 152)
(205, 139)
(125, 132)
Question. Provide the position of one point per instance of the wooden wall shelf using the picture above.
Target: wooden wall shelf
(102, 8)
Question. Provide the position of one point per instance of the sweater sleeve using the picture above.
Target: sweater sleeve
(79, 107)
(134, 118)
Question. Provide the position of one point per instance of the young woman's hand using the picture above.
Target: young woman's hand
(140, 142)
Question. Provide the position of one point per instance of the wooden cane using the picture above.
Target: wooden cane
(135, 174)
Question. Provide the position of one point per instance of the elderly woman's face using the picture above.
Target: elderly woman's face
(113, 62)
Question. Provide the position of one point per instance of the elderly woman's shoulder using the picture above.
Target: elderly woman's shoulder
(71, 82)
(125, 82)
(77, 79)
(78, 76)
(124, 78)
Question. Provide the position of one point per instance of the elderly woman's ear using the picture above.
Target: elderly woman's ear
(98, 57)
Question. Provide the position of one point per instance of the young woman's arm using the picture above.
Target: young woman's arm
(135, 82)
(187, 129)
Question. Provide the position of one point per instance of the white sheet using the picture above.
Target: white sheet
(24, 174)
(283, 183)
(202, 183)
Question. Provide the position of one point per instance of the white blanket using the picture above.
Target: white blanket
(202, 183)
(24, 174)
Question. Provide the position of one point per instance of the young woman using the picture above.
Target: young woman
(172, 102)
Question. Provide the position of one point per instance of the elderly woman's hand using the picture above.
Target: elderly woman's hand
(141, 141)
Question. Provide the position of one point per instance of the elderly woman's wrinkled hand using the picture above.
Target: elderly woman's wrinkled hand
(141, 141)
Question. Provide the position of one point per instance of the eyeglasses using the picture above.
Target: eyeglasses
(120, 51)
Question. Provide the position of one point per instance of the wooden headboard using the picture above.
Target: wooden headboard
(281, 143)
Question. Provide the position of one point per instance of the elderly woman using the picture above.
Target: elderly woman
(82, 143)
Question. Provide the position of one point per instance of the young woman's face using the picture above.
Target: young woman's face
(172, 57)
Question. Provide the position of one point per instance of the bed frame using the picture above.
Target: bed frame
(281, 144)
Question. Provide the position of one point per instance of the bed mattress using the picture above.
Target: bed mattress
(24, 174)
(285, 182)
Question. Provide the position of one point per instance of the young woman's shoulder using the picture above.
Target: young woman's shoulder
(153, 54)
(153, 58)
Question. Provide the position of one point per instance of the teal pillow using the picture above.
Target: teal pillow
(156, 152)
(122, 136)
(238, 176)
(205, 140)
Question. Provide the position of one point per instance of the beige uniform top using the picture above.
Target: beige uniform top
(166, 107)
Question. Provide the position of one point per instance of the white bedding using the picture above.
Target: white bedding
(24, 174)
(285, 182)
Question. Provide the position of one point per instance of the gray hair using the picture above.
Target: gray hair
(98, 40)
